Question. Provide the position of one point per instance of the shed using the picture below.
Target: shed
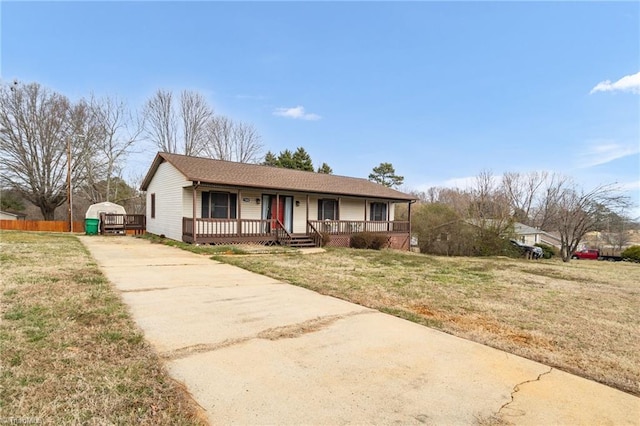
(94, 210)
(111, 217)
(5, 215)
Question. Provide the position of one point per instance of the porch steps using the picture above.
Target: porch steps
(301, 241)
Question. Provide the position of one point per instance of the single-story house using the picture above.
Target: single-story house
(530, 236)
(206, 201)
(5, 215)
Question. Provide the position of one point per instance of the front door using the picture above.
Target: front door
(279, 210)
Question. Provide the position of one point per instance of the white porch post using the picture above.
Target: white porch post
(307, 222)
(238, 213)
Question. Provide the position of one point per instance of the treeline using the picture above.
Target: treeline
(479, 220)
(52, 148)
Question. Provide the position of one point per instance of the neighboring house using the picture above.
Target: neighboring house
(242, 203)
(530, 236)
(4, 215)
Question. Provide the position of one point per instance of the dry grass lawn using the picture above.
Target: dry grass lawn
(582, 317)
(70, 353)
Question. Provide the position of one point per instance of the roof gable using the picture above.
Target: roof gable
(228, 173)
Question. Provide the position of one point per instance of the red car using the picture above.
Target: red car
(586, 254)
(595, 254)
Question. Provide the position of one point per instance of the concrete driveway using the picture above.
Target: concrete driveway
(253, 350)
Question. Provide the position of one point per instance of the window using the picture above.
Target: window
(327, 210)
(219, 205)
(378, 212)
(153, 206)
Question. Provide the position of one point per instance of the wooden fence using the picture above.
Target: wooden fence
(41, 225)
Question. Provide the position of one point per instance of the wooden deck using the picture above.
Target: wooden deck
(122, 224)
(271, 232)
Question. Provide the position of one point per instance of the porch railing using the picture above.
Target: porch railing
(314, 234)
(228, 227)
(338, 227)
(272, 229)
(283, 235)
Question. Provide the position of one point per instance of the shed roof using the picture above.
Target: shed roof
(12, 213)
(228, 173)
(94, 210)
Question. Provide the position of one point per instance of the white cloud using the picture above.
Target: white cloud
(603, 151)
(296, 113)
(628, 83)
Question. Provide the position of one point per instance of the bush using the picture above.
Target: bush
(360, 240)
(368, 240)
(547, 251)
(378, 242)
(632, 253)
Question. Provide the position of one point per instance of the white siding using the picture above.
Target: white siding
(250, 209)
(351, 209)
(172, 202)
(300, 214)
(313, 208)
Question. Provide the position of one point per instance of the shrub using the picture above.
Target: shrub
(378, 242)
(632, 253)
(360, 240)
(547, 251)
(368, 240)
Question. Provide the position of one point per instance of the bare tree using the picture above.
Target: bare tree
(574, 212)
(195, 114)
(117, 130)
(164, 121)
(161, 121)
(232, 141)
(522, 191)
(545, 210)
(36, 125)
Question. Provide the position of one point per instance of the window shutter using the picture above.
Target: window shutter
(205, 205)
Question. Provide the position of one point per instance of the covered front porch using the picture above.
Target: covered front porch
(227, 215)
(318, 233)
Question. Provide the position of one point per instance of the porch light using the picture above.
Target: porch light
(297, 203)
(257, 200)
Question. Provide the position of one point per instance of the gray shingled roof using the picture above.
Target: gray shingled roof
(228, 173)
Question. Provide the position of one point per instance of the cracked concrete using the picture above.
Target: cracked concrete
(516, 389)
(252, 350)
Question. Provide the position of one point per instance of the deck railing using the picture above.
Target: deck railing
(228, 227)
(343, 227)
(124, 222)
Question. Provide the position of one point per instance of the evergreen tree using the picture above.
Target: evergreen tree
(302, 160)
(385, 174)
(270, 160)
(325, 169)
(285, 160)
(298, 160)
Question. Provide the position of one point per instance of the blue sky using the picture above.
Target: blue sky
(442, 90)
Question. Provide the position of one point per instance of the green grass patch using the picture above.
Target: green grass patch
(70, 351)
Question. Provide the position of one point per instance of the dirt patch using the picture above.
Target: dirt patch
(580, 317)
